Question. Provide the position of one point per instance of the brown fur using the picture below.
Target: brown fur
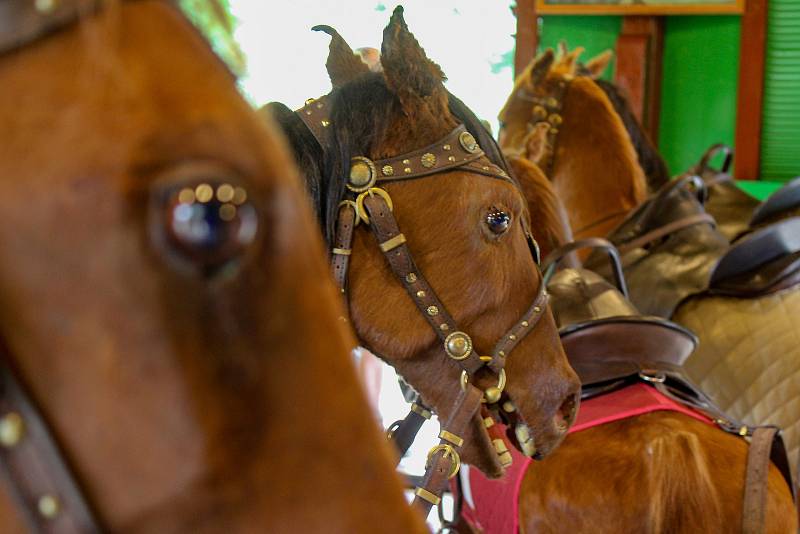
(658, 473)
(186, 404)
(550, 224)
(486, 283)
(594, 168)
(343, 64)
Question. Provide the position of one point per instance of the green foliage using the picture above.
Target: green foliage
(216, 22)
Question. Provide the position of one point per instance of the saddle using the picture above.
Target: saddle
(611, 345)
(735, 211)
(742, 301)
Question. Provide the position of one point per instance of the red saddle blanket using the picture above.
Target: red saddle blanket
(492, 505)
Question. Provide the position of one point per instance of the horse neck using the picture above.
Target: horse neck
(596, 172)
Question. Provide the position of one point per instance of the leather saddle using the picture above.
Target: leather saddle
(735, 211)
(669, 246)
(611, 345)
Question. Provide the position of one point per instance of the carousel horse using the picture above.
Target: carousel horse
(564, 122)
(172, 357)
(418, 211)
(675, 461)
(743, 301)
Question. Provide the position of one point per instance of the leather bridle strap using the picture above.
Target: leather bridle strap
(443, 460)
(755, 489)
(346, 222)
(34, 466)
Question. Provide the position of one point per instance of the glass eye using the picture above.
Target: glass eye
(206, 223)
(498, 221)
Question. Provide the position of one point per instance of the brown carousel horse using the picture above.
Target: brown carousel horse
(564, 122)
(395, 154)
(671, 469)
(173, 359)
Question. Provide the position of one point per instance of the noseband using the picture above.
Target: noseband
(368, 203)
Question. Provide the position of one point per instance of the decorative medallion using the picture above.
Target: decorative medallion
(387, 170)
(458, 345)
(468, 142)
(428, 160)
(433, 310)
(362, 174)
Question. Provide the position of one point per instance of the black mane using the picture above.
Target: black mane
(651, 161)
(360, 111)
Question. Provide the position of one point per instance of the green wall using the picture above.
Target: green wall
(595, 34)
(698, 89)
(698, 92)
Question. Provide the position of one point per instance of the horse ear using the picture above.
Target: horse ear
(562, 50)
(598, 64)
(409, 73)
(570, 61)
(540, 66)
(343, 64)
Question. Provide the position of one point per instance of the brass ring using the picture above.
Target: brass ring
(501, 382)
(371, 191)
(355, 209)
(448, 452)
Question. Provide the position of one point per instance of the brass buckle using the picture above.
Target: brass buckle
(492, 394)
(361, 212)
(448, 452)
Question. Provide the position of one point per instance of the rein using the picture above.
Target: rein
(372, 205)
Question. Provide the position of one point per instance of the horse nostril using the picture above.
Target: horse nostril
(568, 410)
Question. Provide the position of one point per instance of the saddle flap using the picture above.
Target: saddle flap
(760, 259)
(616, 347)
(784, 199)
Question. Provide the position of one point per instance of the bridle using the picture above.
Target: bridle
(368, 203)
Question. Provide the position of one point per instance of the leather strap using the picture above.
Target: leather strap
(34, 466)
(384, 227)
(548, 110)
(403, 432)
(755, 488)
(343, 243)
(316, 116)
(666, 230)
(441, 461)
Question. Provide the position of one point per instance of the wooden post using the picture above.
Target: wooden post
(527, 34)
(750, 97)
(640, 51)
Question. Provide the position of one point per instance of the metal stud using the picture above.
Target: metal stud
(433, 310)
(502, 354)
(525, 324)
(512, 337)
(458, 345)
(421, 294)
(48, 506)
(444, 327)
(540, 112)
(325, 123)
(468, 142)
(536, 309)
(446, 147)
(310, 101)
(552, 102)
(485, 168)
(411, 278)
(387, 170)
(407, 170)
(406, 162)
(319, 105)
(428, 160)
(555, 119)
(308, 112)
(12, 428)
(451, 158)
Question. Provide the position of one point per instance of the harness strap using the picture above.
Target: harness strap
(403, 432)
(443, 460)
(664, 231)
(33, 466)
(343, 243)
(755, 488)
(384, 227)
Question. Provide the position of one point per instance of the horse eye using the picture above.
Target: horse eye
(498, 221)
(206, 223)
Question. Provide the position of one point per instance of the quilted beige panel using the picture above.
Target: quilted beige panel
(748, 359)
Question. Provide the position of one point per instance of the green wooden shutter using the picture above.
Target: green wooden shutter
(780, 137)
